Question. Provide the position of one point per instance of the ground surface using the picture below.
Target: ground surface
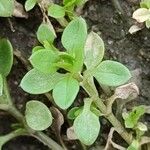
(101, 16)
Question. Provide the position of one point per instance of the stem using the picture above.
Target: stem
(47, 141)
(110, 116)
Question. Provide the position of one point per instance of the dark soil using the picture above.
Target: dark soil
(102, 17)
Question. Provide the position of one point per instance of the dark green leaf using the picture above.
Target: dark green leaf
(6, 8)
(38, 116)
(112, 73)
(56, 11)
(6, 57)
(29, 4)
(86, 125)
(46, 33)
(131, 119)
(94, 50)
(36, 82)
(43, 61)
(65, 92)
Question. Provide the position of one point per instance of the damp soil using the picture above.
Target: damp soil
(102, 17)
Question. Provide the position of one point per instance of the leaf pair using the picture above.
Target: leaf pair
(86, 125)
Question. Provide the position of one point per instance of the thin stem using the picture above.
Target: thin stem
(110, 116)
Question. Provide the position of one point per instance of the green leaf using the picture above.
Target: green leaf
(56, 11)
(131, 119)
(71, 114)
(43, 61)
(94, 50)
(36, 82)
(1, 85)
(86, 125)
(80, 2)
(145, 4)
(147, 23)
(6, 8)
(6, 57)
(29, 4)
(134, 145)
(38, 116)
(112, 73)
(65, 92)
(69, 3)
(46, 33)
(75, 30)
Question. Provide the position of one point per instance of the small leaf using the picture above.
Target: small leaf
(86, 125)
(133, 29)
(38, 116)
(65, 92)
(6, 57)
(141, 14)
(70, 134)
(36, 48)
(94, 50)
(134, 145)
(1, 85)
(80, 2)
(69, 3)
(112, 73)
(36, 82)
(131, 119)
(29, 4)
(43, 61)
(56, 11)
(71, 114)
(45, 33)
(6, 8)
(142, 127)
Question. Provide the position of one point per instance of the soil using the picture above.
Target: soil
(102, 17)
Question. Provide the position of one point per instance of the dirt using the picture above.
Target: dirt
(102, 17)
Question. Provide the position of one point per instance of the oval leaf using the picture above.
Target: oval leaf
(43, 60)
(65, 92)
(112, 73)
(38, 116)
(93, 50)
(6, 57)
(75, 30)
(45, 33)
(56, 11)
(6, 8)
(36, 82)
(141, 14)
(29, 4)
(86, 126)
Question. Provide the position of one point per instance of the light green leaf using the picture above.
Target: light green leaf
(1, 85)
(38, 116)
(86, 125)
(73, 39)
(43, 61)
(112, 73)
(46, 33)
(147, 23)
(134, 145)
(6, 57)
(36, 48)
(145, 4)
(69, 3)
(29, 4)
(6, 8)
(141, 14)
(80, 2)
(75, 30)
(65, 92)
(36, 82)
(131, 119)
(56, 11)
(93, 50)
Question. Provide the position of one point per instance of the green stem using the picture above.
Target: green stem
(110, 116)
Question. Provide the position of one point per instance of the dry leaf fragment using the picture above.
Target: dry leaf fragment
(70, 134)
